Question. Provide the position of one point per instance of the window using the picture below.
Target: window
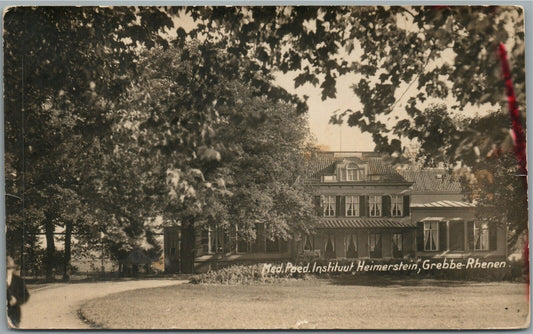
(481, 236)
(329, 206)
(397, 245)
(396, 207)
(216, 240)
(205, 241)
(243, 245)
(374, 244)
(309, 243)
(352, 206)
(329, 247)
(431, 236)
(351, 246)
(276, 245)
(374, 206)
(351, 172)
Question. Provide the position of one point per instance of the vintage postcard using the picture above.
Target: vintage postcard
(266, 167)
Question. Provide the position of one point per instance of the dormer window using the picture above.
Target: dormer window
(351, 172)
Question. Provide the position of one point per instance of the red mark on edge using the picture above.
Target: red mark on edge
(518, 133)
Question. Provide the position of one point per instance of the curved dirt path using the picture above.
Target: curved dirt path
(56, 306)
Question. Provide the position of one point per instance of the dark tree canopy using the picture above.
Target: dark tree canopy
(234, 160)
(442, 51)
(65, 68)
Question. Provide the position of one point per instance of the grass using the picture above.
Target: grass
(321, 304)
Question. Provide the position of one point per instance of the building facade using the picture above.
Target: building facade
(364, 208)
(367, 208)
(446, 226)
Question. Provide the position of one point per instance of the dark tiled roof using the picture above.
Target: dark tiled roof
(444, 204)
(364, 222)
(317, 167)
(431, 180)
(377, 166)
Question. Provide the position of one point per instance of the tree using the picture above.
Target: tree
(264, 160)
(211, 150)
(69, 69)
(499, 191)
(64, 67)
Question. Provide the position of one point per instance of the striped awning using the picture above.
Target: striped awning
(443, 204)
(442, 219)
(433, 219)
(364, 222)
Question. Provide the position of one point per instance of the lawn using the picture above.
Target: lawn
(320, 304)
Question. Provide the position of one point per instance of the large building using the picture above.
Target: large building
(367, 208)
(364, 208)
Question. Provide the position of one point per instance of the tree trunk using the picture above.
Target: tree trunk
(50, 249)
(67, 255)
(187, 250)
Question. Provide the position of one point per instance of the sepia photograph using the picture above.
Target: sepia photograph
(265, 167)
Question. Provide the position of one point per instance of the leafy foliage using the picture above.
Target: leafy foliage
(410, 57)
(444, 51)
(232, 157)
(499, 190)
(65, 67)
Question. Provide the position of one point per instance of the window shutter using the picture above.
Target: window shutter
(420, 236)
(385, 202)
(470, 235)
(493, 237)
(198, 242)
(318, 209)
(406, 204)
(379, 246)
(362, 206)
(443, 237)
(260, 237)
(233, 239)
(339, 207)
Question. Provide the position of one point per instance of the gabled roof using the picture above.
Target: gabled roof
(431, 180)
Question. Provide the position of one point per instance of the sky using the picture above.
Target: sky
(329, 136)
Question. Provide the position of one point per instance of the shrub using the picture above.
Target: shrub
(241, 274)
